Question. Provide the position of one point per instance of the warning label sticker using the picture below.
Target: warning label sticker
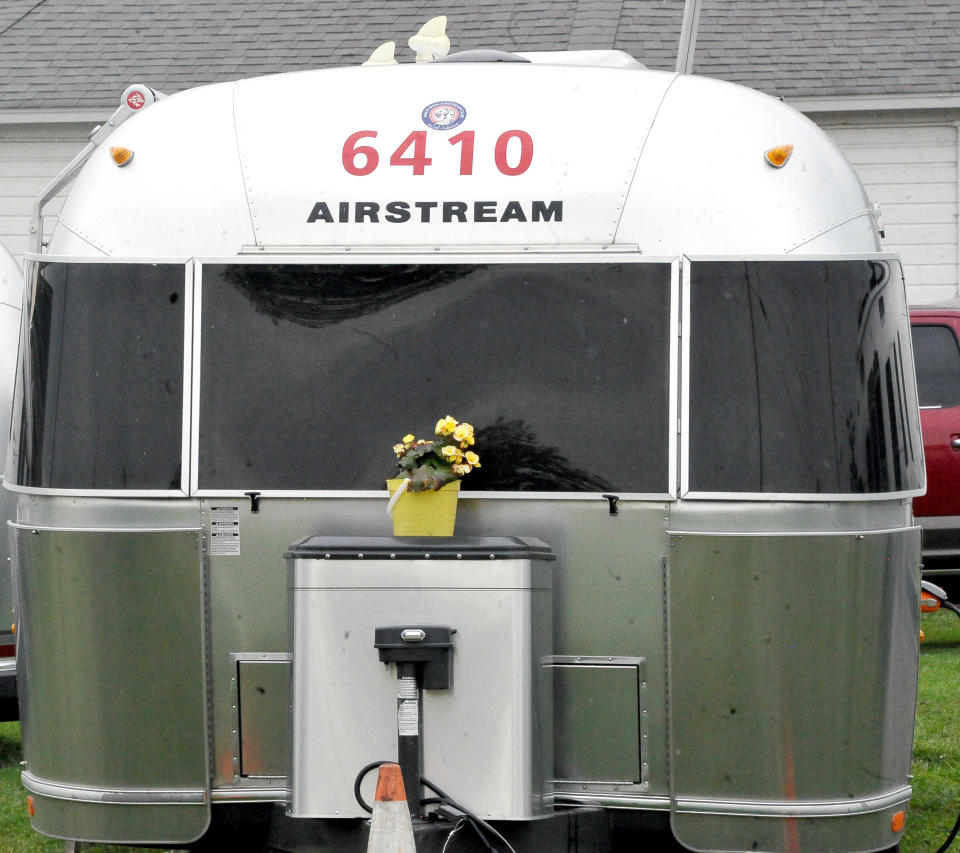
(406, 687)
(224, 531)
(408, 718)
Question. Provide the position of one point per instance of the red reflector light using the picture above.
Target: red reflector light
(8, 651)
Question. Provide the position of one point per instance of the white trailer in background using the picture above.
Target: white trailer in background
(11, 295)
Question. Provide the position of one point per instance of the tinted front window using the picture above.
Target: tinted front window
(310, 374)
(938, 365)
(100, 388)
(800, 379)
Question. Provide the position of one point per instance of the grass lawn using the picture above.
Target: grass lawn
(936, 763)
(936, 745)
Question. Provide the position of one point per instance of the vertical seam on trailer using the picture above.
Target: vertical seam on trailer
(643, 147)
(667, 724)
(240, 163)
(207, 645)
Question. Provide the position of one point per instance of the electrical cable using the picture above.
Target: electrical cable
(476, 821)
(479, 825)
(357, 782)
(454, 831)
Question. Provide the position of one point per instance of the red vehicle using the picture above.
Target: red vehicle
(936, 345)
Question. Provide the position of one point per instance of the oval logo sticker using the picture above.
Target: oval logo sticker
(443, 115)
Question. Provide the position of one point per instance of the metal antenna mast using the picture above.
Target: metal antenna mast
(688, 36)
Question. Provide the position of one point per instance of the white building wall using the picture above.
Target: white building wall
(910, 168)
(31, 154)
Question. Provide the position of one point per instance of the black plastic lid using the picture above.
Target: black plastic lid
(420, 547)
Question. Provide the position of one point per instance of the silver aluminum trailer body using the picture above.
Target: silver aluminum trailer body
(283, 281)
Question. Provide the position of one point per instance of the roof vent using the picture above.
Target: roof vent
(482, 56)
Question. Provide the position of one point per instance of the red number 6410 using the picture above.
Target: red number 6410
(363, 159)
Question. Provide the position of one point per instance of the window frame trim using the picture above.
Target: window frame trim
(34, 261)
(611, 256)
(685, 491)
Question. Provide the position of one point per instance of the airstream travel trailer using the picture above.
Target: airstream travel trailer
(681, 601)
(11, 295)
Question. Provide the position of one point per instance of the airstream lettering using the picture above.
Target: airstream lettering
(680, 607)
(448, 211)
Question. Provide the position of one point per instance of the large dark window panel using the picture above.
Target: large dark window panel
(800, 379)
(100, 390)
(310, 374)
(938, 365)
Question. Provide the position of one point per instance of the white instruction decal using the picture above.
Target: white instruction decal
(406, 687)
(224, 531)
(408, 718)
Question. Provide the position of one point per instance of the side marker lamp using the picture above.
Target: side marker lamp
(899, 819)
(777, 157)
(121, 156)
(931, 597)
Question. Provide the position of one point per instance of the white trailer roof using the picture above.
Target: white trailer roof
(467, 154)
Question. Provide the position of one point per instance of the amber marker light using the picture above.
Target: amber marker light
(899, 819)
(30, 808)
(777, 157)
(121, 156)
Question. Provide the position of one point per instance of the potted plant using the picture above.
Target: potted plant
(423, 499)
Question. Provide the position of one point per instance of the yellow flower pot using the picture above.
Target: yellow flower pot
(430, 513)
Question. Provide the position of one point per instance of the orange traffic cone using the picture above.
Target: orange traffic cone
(391, 830)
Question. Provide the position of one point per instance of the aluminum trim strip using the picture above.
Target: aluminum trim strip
(40, 528)
(113, 796)
(109, 259)
(823, 497)
(834, 256)
(380, 494)
(97, 493)
(793, 533)
(605, 800)
(616, 253)
(273, 795)
(824, 808)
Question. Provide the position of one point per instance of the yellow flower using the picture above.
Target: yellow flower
(445, 426)
(407, 438)
(460, 469)
(472, 459)
(399, 449)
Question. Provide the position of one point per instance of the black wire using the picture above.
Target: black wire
(475, 822)
(357, 782)
(951, 836)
